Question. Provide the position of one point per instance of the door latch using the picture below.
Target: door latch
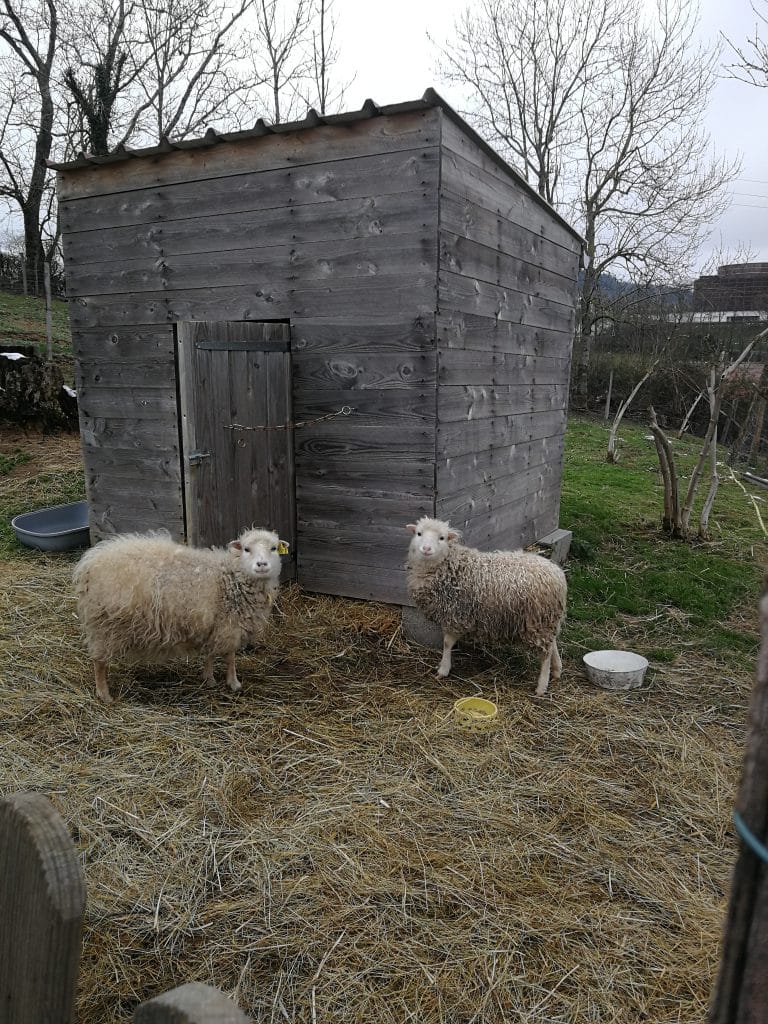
(195, 458)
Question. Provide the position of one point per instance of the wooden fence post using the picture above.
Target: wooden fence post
(741, 993)
(42, 901)
(190, 1004)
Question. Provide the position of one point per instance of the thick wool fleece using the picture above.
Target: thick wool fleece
(492, 595)
(147, 598)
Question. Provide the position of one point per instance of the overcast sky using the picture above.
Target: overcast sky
(387, 46)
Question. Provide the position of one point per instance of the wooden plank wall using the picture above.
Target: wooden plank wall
(333, 228)
(507, 293)
(361, 478)
(126, 387)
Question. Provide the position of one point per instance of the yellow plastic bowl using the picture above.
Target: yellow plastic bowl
(475, 714)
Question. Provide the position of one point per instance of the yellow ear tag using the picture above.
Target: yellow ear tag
(282, 548)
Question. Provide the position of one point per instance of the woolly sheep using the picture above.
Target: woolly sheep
(143, 597)
(494, 596)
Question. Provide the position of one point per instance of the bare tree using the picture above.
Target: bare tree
(601, 105)
(718, 377)
(324, 95)
(29, 34)
(280, 55)
(677, 514)
(751, 65)
(142, 70)
(526, 66)
(193, 78)
(101, 67)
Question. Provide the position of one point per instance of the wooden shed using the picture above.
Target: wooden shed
(330, 327)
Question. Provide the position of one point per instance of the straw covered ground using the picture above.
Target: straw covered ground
(327, 845)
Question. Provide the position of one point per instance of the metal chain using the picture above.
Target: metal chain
(345, 410)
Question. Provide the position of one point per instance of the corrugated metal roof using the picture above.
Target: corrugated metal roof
(369, 109)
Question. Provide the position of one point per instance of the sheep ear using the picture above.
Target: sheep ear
(453, 535)
(235, 547)
(411, 527)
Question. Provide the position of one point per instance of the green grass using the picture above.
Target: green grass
(628, 581)
(10, 460)
(22, 322)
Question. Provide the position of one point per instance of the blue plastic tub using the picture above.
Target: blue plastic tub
(58, 528)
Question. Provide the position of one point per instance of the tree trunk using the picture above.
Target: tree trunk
(715, 397)
(33, 245)
(671, 518)
(33, 201)
(711, 494)
(585, 324)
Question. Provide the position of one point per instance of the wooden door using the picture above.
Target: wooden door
(237, 438)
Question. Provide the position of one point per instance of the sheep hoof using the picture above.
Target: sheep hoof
(541, 691)
(443, 672)
(235, 686)
(106, 697)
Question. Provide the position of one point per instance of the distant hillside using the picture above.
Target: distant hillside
(614, 288)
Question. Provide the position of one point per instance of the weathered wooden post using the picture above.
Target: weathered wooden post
(741, 994)
(190, 1004)
(42, 901)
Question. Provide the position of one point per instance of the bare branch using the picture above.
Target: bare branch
(687, 417)
(714, 484)
(613, 453)
(601, 106)
(752, 63)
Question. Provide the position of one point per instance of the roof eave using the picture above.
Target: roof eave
(431, 99)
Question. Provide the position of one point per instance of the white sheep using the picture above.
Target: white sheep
(143, 597)
(493, 596)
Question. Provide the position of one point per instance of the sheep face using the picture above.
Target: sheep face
(257, 553)
(431, 541)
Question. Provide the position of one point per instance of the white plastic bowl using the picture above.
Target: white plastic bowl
(616, 670)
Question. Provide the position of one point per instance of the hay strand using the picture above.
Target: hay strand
(330, 845)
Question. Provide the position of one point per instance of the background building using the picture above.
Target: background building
(738, 288)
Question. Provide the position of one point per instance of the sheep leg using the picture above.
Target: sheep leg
(232, 681)
(557, 662)
(208, 677)
(543, 683)
(449, 641)
(100, 672)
